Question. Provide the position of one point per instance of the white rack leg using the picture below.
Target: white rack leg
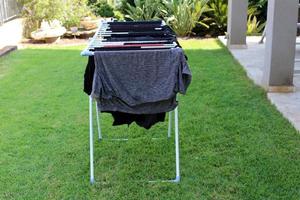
(92, 179)
(170, 124)
(177, 163)
(177, 179)
(98, 122)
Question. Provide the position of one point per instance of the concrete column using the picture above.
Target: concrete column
(237, 23)
(280, 45)
(1, 13)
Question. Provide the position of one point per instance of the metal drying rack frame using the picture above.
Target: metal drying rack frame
(87, 52)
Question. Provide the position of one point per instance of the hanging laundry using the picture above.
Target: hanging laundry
(135, 71)
(140, 82)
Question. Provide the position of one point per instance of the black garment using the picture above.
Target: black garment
(143, 120)
(141, 22)
(89, 75)
(141, 38)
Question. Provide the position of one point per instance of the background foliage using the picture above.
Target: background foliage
(183, 15)
(101, 8)
(69, 12)
(144, 9)
(186, 17)
(74, 11)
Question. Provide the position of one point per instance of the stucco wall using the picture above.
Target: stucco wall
(11, 32)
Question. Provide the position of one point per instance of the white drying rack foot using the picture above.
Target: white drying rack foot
(177, 163)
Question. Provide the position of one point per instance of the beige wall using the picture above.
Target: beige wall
(11, 33)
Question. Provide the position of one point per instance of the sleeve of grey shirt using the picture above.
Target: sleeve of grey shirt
(184, 75)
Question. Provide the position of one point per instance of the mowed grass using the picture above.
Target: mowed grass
(234, 143)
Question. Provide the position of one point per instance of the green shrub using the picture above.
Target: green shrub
(118, 15)
(35, 11)
(254, 27)
(183, 15)
(218, 17)
(74, 11)
(123, 6)
(102, 8)
(69, 12)
(144, 10)
(91, 2)
(260, 9)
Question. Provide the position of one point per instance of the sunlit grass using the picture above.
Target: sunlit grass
(234, 143)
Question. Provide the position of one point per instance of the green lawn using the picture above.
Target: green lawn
(234, 143)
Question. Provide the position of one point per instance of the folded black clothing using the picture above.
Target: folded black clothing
(139, 38)
(139, 34)
(143, 120)
(138, 28)
(118, 105)
(126, 48)
(141, 22)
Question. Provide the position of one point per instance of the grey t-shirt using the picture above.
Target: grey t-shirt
(140, 81)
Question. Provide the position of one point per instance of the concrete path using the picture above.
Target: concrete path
(252, 59)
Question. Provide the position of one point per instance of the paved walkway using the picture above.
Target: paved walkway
(252, 59)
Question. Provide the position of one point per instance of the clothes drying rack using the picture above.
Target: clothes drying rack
(94, 42)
